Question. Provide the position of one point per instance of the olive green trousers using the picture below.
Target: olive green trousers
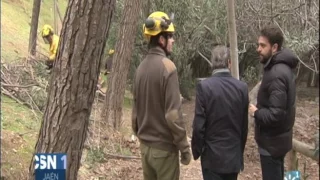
(159, 164)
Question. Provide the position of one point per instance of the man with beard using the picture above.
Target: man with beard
(156, 115)
(275, 111)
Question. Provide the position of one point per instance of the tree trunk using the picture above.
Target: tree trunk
(55, 27)
(34, 27)
(146, 8)
(233, 38)
(112, 112)
(253, 100)
(74, 80)
(317, 80)
(310, 76)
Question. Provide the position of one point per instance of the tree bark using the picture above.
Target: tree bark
(74, 79)
(121, 62)
(253, 100)
(146, 8)
(55, 27)
(34, 27)
(233, 38)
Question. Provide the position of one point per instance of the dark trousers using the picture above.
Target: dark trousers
(272, 168)
(209, 175)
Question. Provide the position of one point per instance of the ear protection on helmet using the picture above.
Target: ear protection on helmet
(151, 24)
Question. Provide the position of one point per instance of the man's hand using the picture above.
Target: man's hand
(252, 109)
(185, 158)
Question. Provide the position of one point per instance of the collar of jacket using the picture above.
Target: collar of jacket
(269, 61)
(157, 50)
(221, 72)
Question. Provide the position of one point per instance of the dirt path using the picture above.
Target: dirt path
(193, 170)
(307, 124)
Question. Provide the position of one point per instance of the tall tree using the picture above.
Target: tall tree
(55, 17)
(121, 62)
(233, 38)
(74, 80)
(34, 27)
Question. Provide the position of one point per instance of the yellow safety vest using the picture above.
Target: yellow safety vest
(53, 47)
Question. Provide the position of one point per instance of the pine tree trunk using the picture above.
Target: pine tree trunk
(233, 38)
(253, 100)
(34, 27)
(112, 113)
(74, 80)
(146, 8)
(55, 22)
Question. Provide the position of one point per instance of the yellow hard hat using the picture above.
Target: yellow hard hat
(156, 23)
(111, 51)
(46, 30)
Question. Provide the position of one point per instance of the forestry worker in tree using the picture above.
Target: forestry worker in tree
(156, 117)
(275, 111)
(109, 61)
(53, 40)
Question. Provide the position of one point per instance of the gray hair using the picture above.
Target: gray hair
(220, 57)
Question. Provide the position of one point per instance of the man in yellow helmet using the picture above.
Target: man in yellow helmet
(108, 64)
(156, 117)
(53, 40)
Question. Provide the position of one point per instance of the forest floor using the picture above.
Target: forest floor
(307, 124)
(100, 160)
(20, 125)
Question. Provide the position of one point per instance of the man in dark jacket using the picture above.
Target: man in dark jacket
(275, 111)
(220, 125)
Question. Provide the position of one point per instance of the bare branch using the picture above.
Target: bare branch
(122, 156)
(17, 85)
(207, 28)
(7, 93)
(307, 65)
(315, 64)
(33, 102)
(205, 58)
(275, 14)
(315, 5)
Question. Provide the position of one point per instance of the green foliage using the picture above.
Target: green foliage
(250, 75)
(123, 150)
(95, 155)
(301, 44)
(194, 32)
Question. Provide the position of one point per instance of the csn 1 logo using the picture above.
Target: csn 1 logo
(50, 161)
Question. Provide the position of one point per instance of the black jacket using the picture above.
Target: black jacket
(275, 116)
(220, 124)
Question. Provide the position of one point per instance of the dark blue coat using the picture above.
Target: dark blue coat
(220, 124)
